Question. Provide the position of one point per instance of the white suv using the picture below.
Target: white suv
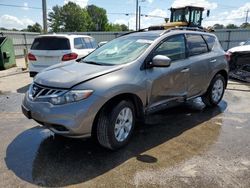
(48, 50)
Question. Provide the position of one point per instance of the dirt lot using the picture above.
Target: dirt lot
(187, 146)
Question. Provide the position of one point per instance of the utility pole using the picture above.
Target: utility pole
(136, 15)
(45, 26)
(139, 17)
(247, 16)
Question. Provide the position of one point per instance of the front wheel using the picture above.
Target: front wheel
(115, 125)
(215, 91)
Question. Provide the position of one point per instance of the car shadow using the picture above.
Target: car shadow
(40, 158)
(23, 89)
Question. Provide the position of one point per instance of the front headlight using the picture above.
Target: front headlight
(71, 96)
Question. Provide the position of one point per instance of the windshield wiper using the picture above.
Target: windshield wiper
(96, 63)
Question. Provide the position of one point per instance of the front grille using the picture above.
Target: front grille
(38, 91)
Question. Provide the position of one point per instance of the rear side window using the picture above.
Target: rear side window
(78, 43)
(196, 45)
(210, 41)
(51, 43)
(88, 42)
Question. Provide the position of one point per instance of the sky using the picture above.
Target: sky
(221, 11)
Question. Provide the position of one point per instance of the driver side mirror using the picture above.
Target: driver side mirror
(160, 61)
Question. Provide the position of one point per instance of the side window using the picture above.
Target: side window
(88, 42)
(94, 44)
(196, 44)
(210, 41)
(173, 47)
(78, 43)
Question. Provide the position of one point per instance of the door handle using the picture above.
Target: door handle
(185, 70)
(213, 61)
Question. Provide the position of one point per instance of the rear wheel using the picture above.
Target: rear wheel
(115, 125)
(215, 91)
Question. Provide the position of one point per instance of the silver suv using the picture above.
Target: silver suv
(105, 93)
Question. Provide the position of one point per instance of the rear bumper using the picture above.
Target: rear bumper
(36, 68)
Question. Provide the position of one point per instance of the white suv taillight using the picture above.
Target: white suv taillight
(31, 57)
(70, 56)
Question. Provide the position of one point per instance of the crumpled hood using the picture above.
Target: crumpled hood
(243, 48)
(66, 75)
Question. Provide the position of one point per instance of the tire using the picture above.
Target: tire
(115, 125)
(215, 91)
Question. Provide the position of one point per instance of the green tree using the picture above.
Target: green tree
(218, 26)
(245, 25)
(69, 18)
(4, 29)
(231, 26)
(124, 27)
(98, 16)
(116, 27)
(55, 19)
(74, 17)
(34, 28)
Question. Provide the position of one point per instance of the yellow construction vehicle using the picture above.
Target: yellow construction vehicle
(188, 16)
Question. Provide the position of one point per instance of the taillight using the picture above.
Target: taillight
(70, 56)
(228, 56)
(31, 57)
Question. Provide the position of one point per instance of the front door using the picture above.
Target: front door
(169, 83)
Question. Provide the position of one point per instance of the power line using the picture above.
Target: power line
(19, 6)
(133, 14)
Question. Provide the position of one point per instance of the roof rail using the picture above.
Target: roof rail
(140, 30)
(184, 28)
(168, 30)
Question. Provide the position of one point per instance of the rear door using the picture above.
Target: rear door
(169, 83)
(199, 58)
(49, 50)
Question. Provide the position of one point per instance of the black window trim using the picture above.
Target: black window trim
(207, 42)
(208, 50)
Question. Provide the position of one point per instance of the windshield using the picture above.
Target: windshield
(120, 51)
